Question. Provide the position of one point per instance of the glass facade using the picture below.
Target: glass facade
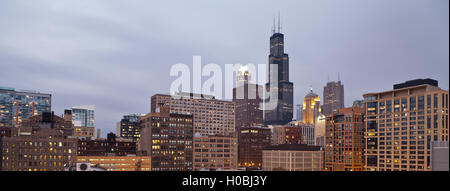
(16, 106)
(83, 116)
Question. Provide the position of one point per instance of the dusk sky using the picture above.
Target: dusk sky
(117, 54)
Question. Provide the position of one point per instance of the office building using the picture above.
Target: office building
(216, 152)
(83, 120)
(319, 130)
(311, 108)
(344, 146)
(401, 125)
(16, 106)
(333, 97)
(298, 112)
(40, 146)
(117, 163)
(283, 134)
(168, 139)
(251, 143)
(129, 126)
(247, 102)
(211, 116)
(283, 112)
(111, 146)
(293, 157)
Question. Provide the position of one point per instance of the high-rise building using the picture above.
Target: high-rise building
(216, 152)
(319, 130)
(311, 108)
(298, 112)
(251, 143)
(129, 126)
(247, 102)
(168, 139)
(333, 97)
(401, 125)
(39, 145)
(344, 147)
(83, 120)
(293, 157)
(283, 113)
(16, 106)
(211, 116)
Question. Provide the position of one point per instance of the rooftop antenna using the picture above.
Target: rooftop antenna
(310, 88)
(328, 80)
(339, 77)
(279, 25)
(273, 29)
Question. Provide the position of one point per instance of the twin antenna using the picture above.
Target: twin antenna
(279, 24)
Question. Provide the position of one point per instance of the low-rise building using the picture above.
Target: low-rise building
(293, 157)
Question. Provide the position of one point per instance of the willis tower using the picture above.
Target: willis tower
(283, 113)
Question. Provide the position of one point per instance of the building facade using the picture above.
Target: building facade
(129, 126)
(111, 146)
(311, 108)
(439, 156)
(211, 116)
(38, 147)
(283, 112)
(16, 106)
(168, 139)
(83, 120)
(215, 152)
(118, 163)
(333, 97)
(293, 157)
(283, 134)
(251, 143)
(344, 147)
(401, 124)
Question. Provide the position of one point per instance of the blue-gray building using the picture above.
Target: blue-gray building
(16, 106)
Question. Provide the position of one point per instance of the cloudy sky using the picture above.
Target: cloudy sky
(116, 54)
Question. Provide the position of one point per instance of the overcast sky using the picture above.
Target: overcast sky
(117, 54)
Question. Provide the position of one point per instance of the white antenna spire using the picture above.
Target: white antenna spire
(273, 29)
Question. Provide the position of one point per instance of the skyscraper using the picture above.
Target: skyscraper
(344, 146)
(16, 106)
(247, 102)
(283, 113)
(333, 97)
(311, 108)
(298, 111)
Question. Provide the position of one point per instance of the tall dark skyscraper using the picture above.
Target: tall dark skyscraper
(333, 97)
(283, 113)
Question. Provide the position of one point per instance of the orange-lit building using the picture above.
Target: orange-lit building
(344, 146)
(118, 163)
(311, 108)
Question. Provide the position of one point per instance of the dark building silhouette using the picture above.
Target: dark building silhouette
(416, 82)
(251, 144)
(111, 146)
(333, 97)
(283, 113)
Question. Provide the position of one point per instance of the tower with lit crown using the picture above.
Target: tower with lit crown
(283, 113)
(311, 108)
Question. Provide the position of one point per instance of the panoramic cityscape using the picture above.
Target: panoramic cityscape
(274, 116)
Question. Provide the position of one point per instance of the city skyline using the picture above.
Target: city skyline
(84, 54)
